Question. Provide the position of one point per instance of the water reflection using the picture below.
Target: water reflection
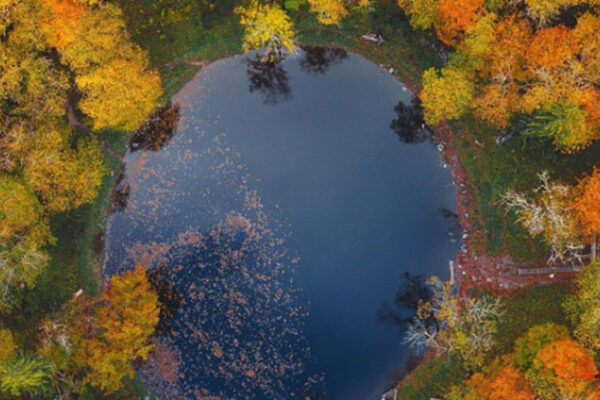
(158, 131)
(317, 59)
(413, 290)
(169, 296)
(121, 192)
(269, 78)
(409, 124)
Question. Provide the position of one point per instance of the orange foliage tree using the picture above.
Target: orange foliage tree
(587, 203)
(552, 47)
(126, 319)
(455, 17)
(507, 384)
(521, 65)
(569, 366)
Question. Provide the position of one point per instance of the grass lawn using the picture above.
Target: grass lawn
(493, 169)
(431, 378)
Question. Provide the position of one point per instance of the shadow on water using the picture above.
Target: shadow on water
(317, 60)
(412, 292)
(409, 124)
(158, 131)
(268, 78)
(169, 297)
(453, 224)
(121, 192)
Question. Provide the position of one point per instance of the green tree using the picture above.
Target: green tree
(582, 308)
(528, 345)
(564, 124)
(25, 376)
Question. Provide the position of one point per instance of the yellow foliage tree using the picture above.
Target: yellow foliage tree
(119, 95)
(63, 178)
(8, 348)
(119, 91)
(423, 13)
(19, 209)
(267, 26)
(127, 316)
(329, 12)
(446, 96)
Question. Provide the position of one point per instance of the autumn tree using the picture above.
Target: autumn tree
(140, 90)
(63, 177)
(329, 12)
(8, 348)
(95, 340)
(127, 319)
(583, 308)
(587, 206)
(446, 95)
(550, 216)
(528, 345)
(423, 13)
(502, 68)
(105, 62)
(267, 26)
(506, 384)
(20, 211)
(455, 17)
(465, 326)
(568, 367)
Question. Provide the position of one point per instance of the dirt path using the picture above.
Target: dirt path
(190, 63)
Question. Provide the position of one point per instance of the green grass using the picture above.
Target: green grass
(531, 306)
(432, 378)
(494, 169)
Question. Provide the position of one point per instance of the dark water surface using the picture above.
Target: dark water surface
(283, 216)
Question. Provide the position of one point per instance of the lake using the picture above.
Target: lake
(277, 206)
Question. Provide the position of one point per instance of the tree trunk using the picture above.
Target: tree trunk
(594, 247)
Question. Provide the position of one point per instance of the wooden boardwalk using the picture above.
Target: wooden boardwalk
(548, 270)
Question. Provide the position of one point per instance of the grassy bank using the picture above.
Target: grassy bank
(494, 169)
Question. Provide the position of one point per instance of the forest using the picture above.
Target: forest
(511, 86)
